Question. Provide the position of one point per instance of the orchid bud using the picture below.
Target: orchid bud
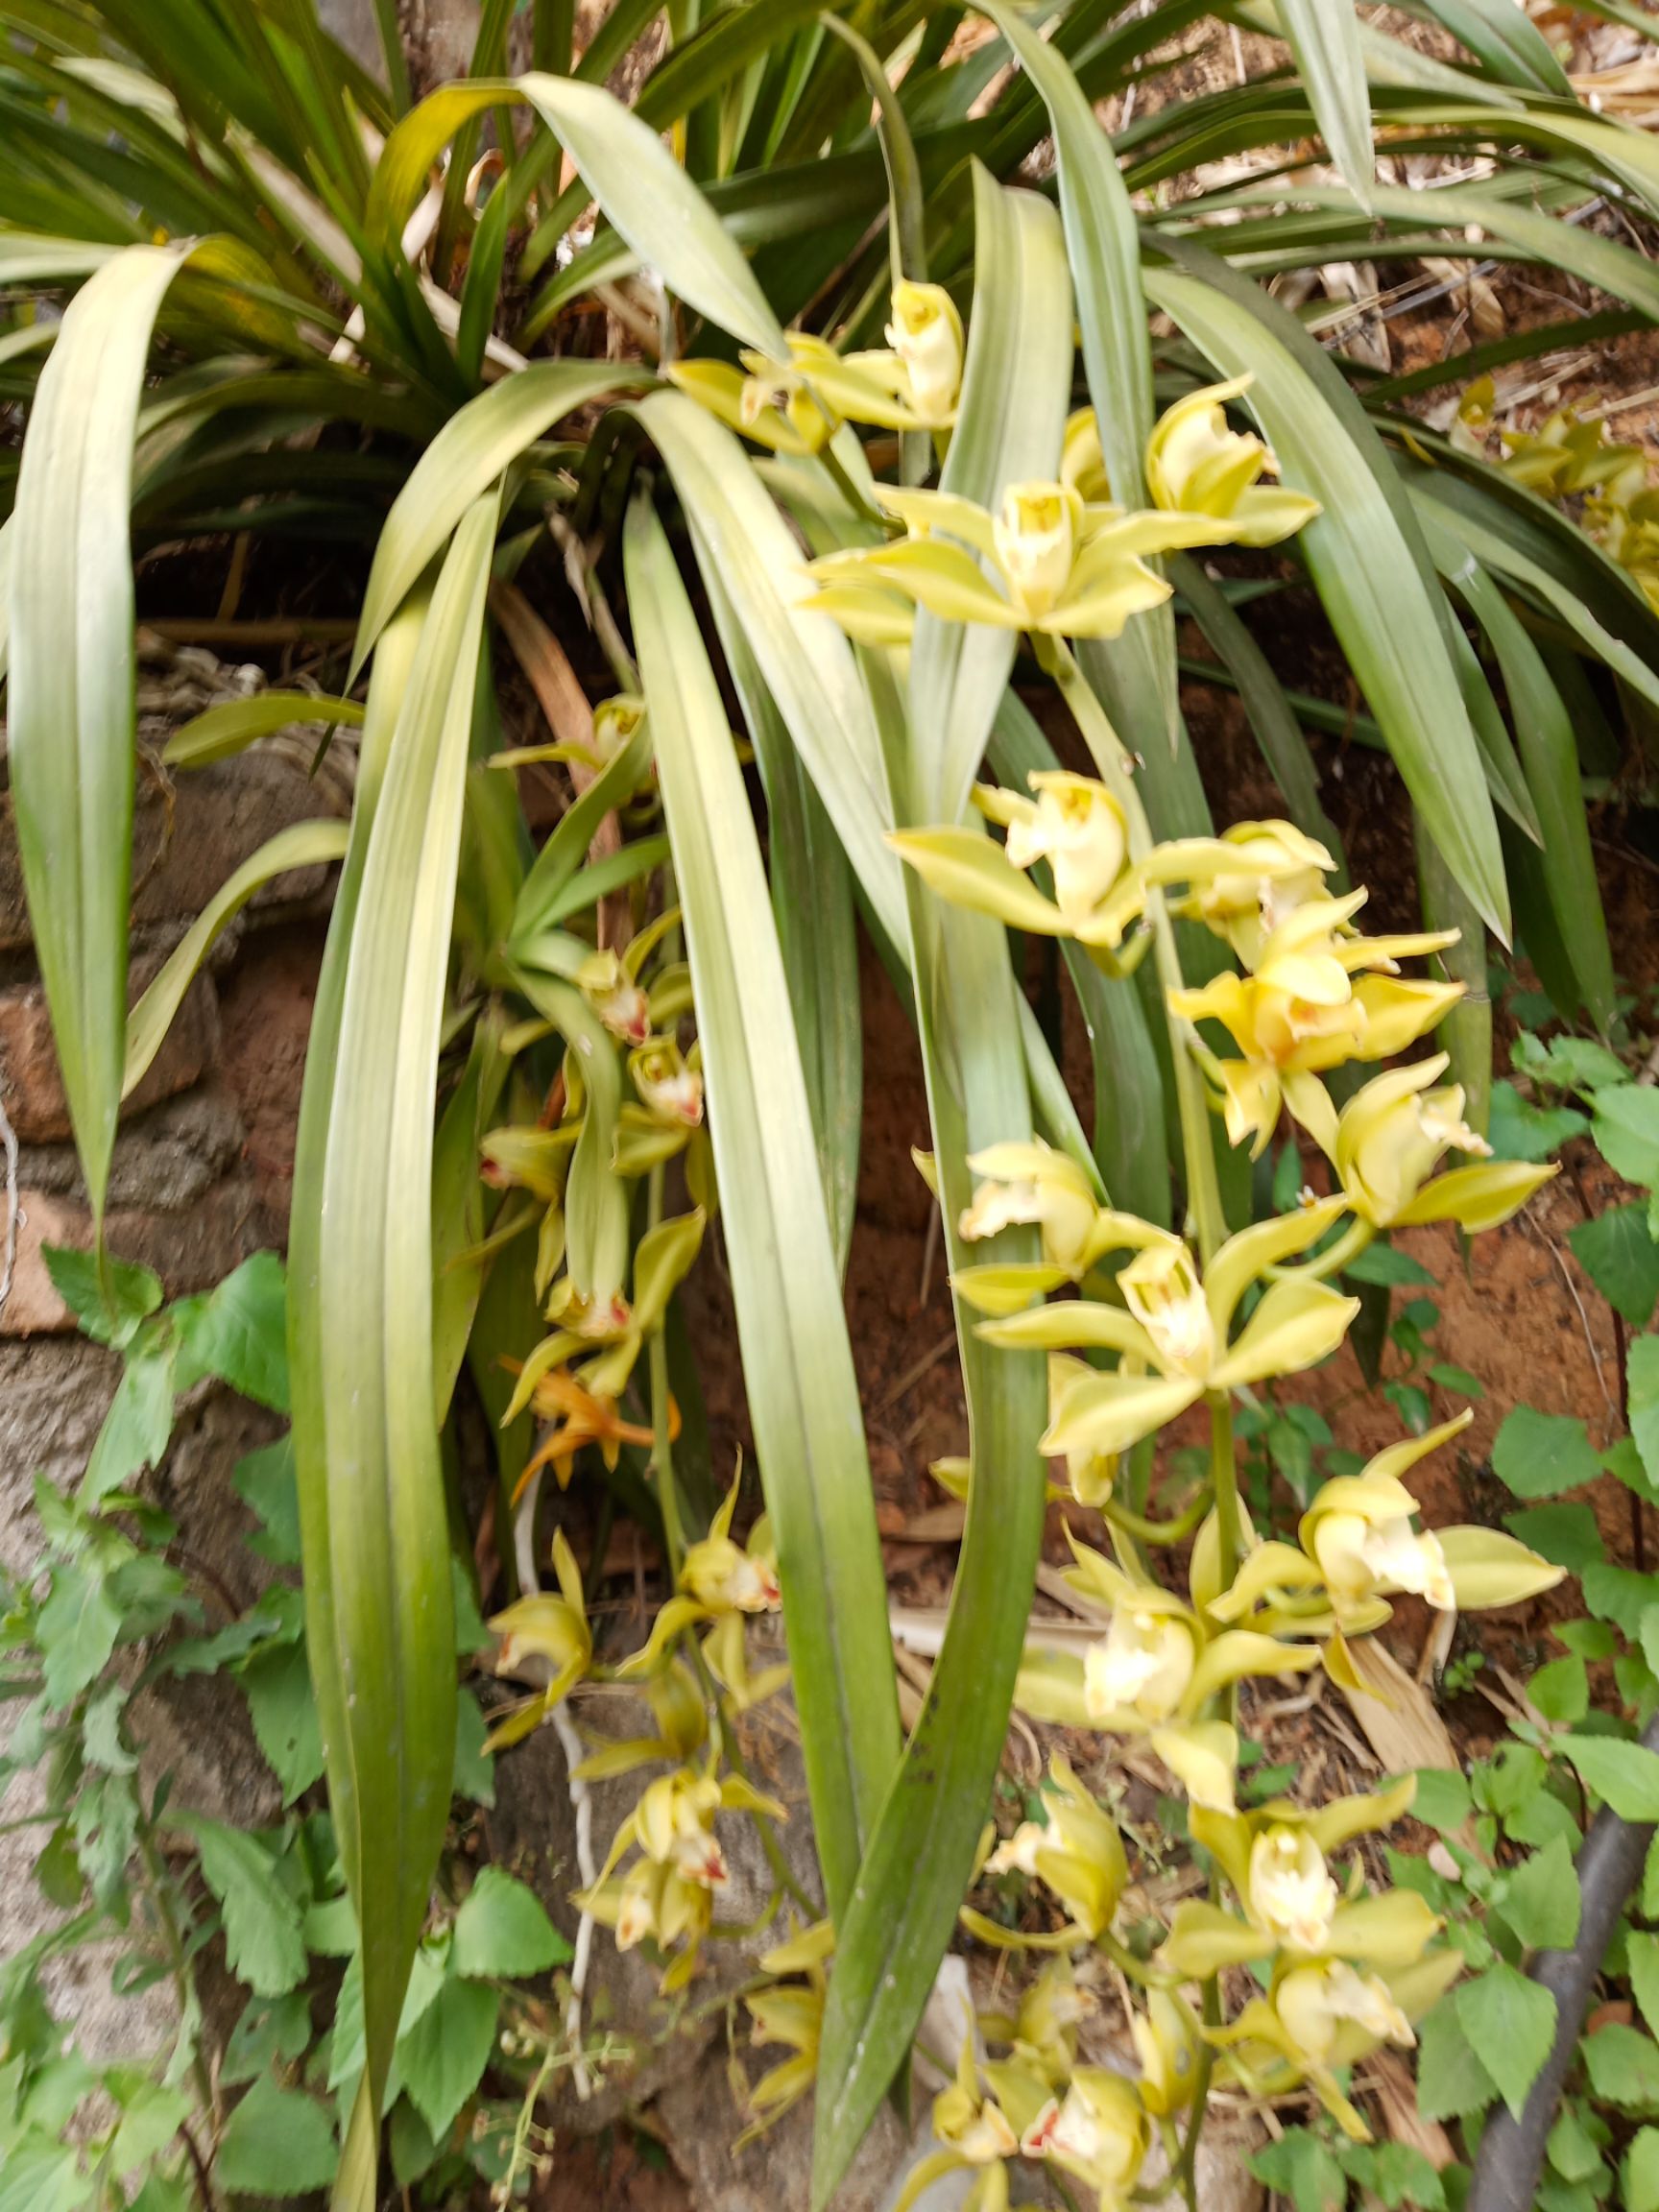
(1161, 1291)
(1078, 1854)
(1291, 1893)
(1079, 828)
(926, 333)
(1097, 2131)
(1035, 537)
(1317, 2003)
(1196, 464)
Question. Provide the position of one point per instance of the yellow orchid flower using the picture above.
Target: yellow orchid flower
(670, 1091)
(552, 1630)
(1082, 459)
(1152, 1675)
(926, 333)
(1389, 1139)
(1031, 1184)
(1358, 1530)
(1079, 1854)
(1196, 465)
(1044, 562)
(974, 2132)
(1277, 870)
(722, 1582)
(1074, 823)
(668, 1892)
(771, 405)
(1166, 2044)
(1275, 1859)
(1173, 1330)
(1098, 2132)
(1043, 2033)
(1091, 1474)
(1328, 2015)
(1078, 828)
(1301, 1012)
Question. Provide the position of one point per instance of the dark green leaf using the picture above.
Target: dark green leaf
(442, 2056)
(1620, 1257)
(1567, 1534)
(262, 1922)
(1541, 1903)
(1625, 1774)
(137, 1426)
(133, 1293)
(1300, 2168)
(277, 1686)
(1511, 2021)
(276, 2143)
(1540, 1455)
(1622, 2064)
(76, 1629)
(238, 1332)
(1519, 1130)
(503, 1929)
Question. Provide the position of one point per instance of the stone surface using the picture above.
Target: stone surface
(190, 1250)
(192, 832)
(33, 1085)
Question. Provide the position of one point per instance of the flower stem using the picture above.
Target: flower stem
(1111, 758)
(1224, 1480)
(1148, 1531)
(661, 1450)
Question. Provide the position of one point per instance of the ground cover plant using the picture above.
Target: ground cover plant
(849, 419)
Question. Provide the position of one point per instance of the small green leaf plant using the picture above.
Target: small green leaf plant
(1502, 1873)
(114, 1606)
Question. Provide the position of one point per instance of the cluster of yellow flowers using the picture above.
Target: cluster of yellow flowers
(1571, 458)
(667, 1893)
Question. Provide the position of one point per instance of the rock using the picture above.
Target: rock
(29, 1079)
(190, 1250)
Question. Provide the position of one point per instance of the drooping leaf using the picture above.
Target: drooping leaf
(903, 1908)
(798, 1367)
(71, 685)
(1376, 584)
(380, 1625)
(1324, 35)
(308, 844)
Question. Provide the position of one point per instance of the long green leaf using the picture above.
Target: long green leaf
(222, 732)
(1550, 757)
(1324, 37)
(72, 678)
(355, 2185)
(797, 1360)
(306, 845)
(383, 1514)
(813, 908)
(1367, 571)
(806, 664)
(468, 455)
(651, 202)
(1103, 247)
(911, 1885)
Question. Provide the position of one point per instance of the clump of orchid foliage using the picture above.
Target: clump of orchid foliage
(1140, 1323)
